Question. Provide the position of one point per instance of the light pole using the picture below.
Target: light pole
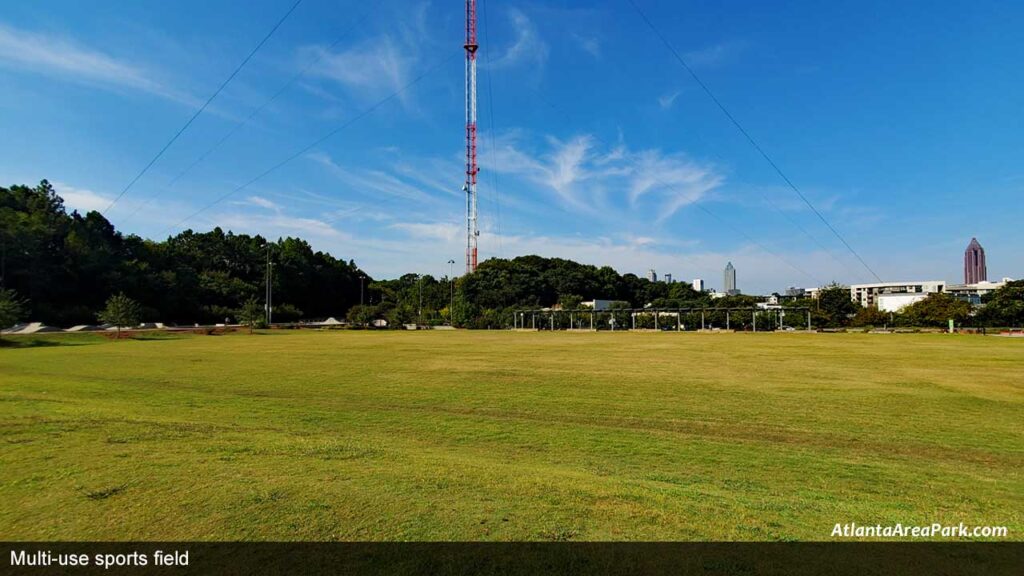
(361, 278)
(419, 310)
(451, 288)
(269, 288)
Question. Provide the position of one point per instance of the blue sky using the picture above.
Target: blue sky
(901, 122)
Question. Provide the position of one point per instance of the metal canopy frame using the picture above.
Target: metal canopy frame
(522, 318)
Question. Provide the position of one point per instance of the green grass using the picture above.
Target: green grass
(507, 436)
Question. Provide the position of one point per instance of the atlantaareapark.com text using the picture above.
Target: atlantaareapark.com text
(854, 530)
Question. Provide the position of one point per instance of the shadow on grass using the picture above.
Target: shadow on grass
(81, 339)
(103, 493)
(36, 342)
(154, 336)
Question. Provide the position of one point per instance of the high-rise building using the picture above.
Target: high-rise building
(729, 283)
(652, 275)
(975, 269)
(668, 278)
(698, 284)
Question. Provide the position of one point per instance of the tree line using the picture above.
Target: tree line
(64, 268)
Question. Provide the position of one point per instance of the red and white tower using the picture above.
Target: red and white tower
(472, 231)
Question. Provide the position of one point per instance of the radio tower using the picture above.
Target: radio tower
(472, 232)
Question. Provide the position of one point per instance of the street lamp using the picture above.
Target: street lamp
(270, 288)
(361, 278)
(451, 288)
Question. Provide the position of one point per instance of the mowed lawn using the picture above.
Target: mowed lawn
(508, 436)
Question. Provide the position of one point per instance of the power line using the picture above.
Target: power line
(749, 138)
(703, 143)
(203, 107)
(255, 112)
(490, 118)
(318, 141)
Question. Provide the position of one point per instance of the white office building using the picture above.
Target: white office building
(973, 292)
(896, 293)
(898, 301)
(698, 284)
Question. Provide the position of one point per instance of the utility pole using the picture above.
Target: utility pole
(419, 311)
(361, 278)
(451, 288)
(472, 232)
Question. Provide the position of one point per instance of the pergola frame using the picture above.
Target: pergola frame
(526, 319)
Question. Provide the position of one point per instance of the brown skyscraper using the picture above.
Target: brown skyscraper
(974, 263)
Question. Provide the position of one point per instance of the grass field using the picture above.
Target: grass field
(507, 436)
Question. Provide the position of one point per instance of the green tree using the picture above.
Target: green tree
(1004, 307)
(251, 313)
(362, 315)
(836, 306)
(935, 310)
(67, 264)
(120, 311)
(870, 316)
(12, 308)
(570, 301)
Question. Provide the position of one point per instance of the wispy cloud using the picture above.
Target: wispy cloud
(713, 55)
(370, 181)
(65, 58)
(433, 230)
(372, 69)
(675, 179)
(435, 174)
(683, 259)
(567, 169)
(377, 65)
(667, 100)
(275, 225)
(589, 44)
(263, 203)
(81, 199)
(528, 47)
(592, 180)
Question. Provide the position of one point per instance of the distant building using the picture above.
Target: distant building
(896, 301)
(867, 294)
(597, 304)
(652, 275)
(975, 270)
(668, 278)
(729, 282)
(973, 292)
(698, 284)
(794, 292)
